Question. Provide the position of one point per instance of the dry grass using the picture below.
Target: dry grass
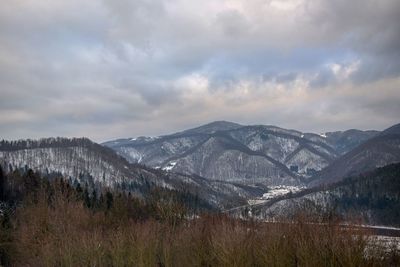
(67, 233)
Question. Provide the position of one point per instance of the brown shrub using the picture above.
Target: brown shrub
(66, 233)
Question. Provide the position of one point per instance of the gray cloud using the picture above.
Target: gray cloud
(107, 69)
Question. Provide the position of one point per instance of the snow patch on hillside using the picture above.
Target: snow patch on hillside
(280, 190)
(131, 154)
(169, 166)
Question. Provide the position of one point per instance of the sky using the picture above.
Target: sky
(108, 69)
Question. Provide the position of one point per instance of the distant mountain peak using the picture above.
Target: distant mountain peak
(222, 123)
(395, 129)
(214, 126)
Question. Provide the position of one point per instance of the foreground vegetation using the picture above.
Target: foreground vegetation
(55, 224)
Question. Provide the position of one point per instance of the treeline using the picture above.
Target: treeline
(21, 185)
(6, 145)
(53, 223)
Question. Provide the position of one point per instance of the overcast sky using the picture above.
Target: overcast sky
(119, 68)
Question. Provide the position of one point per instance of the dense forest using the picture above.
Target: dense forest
(375, 196)
(49, 222)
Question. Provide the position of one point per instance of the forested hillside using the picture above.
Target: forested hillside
(373, 197)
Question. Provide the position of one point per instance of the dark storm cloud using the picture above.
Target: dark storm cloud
(107, 69)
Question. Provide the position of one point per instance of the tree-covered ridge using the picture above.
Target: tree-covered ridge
(19, 185)
(376, 195)
(44, 143)
(373, 198)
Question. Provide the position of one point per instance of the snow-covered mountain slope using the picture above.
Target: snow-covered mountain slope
(344, 141)
(75, 158)
(232, 152)
(223, 158)
(86, 162)
(378, 151)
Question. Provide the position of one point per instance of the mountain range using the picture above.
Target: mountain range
(247, 154)
(225, 164)
(378, 151)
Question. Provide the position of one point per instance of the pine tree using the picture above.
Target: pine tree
(109, 199)
(86, 198)
(94, 199)
(32, 182)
